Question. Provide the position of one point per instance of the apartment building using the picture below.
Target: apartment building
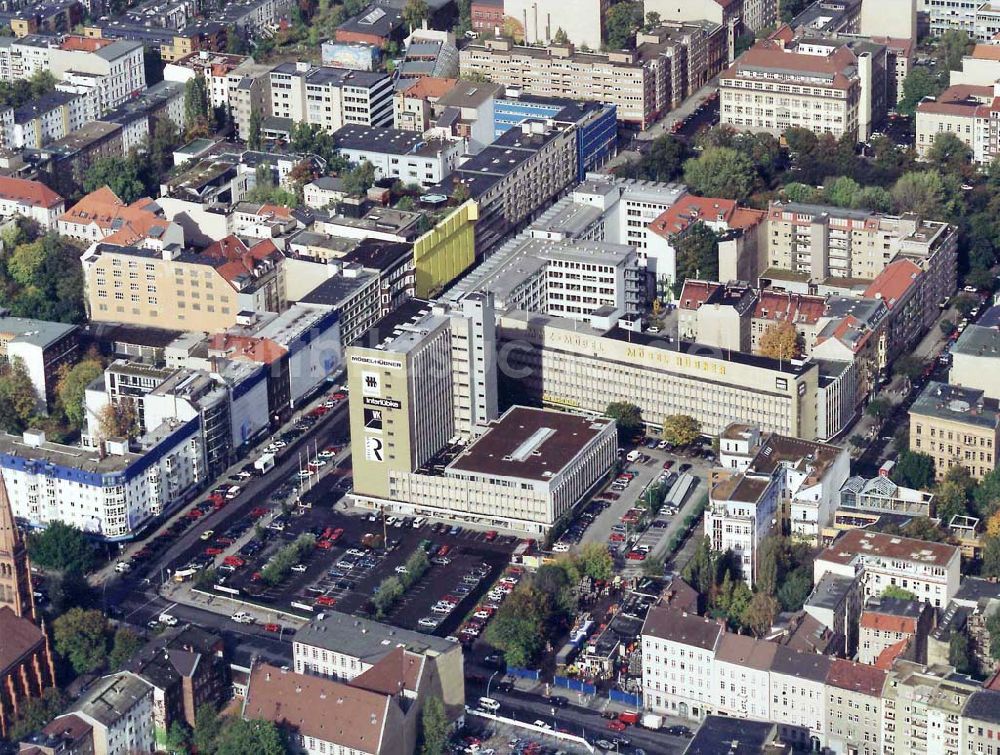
(537, 22)
(854, 707)
(119, 709)
(974, 359)
(741, 677)
(678, 660)
(330, 97)
(30, 199)
(108, 71)
(517, 175)
(890, 628)
(667, 65)
(44, 119)
(980, 722)
(583, 367)
(202, 291)
(957, 426)
(43, 349)
(403, 155)
(570, 279)
(963, 110)
(413, 102)
(102, 216)
(798, 686)
(921, 709)
(928, 570)
(774, 479)
(826, 86)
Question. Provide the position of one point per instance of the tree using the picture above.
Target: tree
(950, 500)
(993, 628)
(122, 176)
(61, 547)
(653, 566)
(433, 727)
(119, 420)
(909, 366)
(360, 179)
(126, 644)
(627, 417)
(653, 19)
(952, 46)
(795, 589)
(196, 107)
(924, 528)
(760, 612)
(595, 561)
(986, 494)
(81, 636)
(664, 160)
(700, 571)
(769, 565)
(17, 393)
(720, 172)
(240, 737)
(414, 13)
(36, 712)
(561, 37)
(697, 251)
(680, 429)
(919, 83)
(914, 470)
(959, 654)
(922, 193)
(164, 139)
(253, 129)
(621, 22)
(517, 629)
(878, 408)
(949, 153)
(781, 340)
(856, 440)
(178, 738)
(72, 385)
(207, 727)
(894, 591)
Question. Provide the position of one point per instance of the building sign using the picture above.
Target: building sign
(373, 419)
(374, 449)
(382, 403)
(371, 384)
(388, 364)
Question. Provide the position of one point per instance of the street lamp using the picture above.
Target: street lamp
(490, 681)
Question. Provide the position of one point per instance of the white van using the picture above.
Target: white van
(167, 620)
(633, 455)
(419, 522)
(488, 704)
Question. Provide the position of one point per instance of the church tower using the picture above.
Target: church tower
(15, 576)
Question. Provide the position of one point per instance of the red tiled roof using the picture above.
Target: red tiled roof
(430, 87)
(399, 670)
(34, 193)
(76, 43)
(770, 53)
(856, 677)
(890, 654)
(251, 349)
(695, 292)
(961, 99)
(790, 307)
(238, 259)
(124, 225)
(883, 622)
(986, 52)
(894, 281)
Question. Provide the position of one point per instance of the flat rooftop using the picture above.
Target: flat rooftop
(869, 544)
(528, 443)
(39, 333)
(365, 639)
(956, 404)
(978, 341)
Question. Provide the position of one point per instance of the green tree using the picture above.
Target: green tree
(17, 393)
(950, 500)
(253, 129)
(919, 83)
(126, 644)
(621, 22)
(959, 653)
(72, 386)
(781, 340)
(560, 37)
(433, 727)
(81, 636)
(415, 12)
(952, 45)
(207, 728)
(653, 566)
(949, 153)
(759, 613)
(878, 408)
(36, 712)
(720, 172)
(909, 366)
(61, 547)
(517, 629)
(993, 628)
(122, 176)
(894, 591)
(196, 107)
(164, 139)
(990, 567)
(795, 589)
(665, 159)
(922, 193)
(700, 571)
(681, 429)
(924, 528)
(359, 179)
(914, 470)
(240, 737)
(769, 565)
(697, 254)
(596, 562)
(627, 417)
(178, 738)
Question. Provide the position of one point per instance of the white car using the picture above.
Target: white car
(299, 568)
(122, 567)
(356, 552)
(402, 570)
(560, 548)
(278, 443)
(317, 463)
(442, 608)
(242, 617)
(542, 725)
(429, 621)
(389, 521)
(305, 473)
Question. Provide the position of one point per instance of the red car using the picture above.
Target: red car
(491, 536)
(636, 556)
(213, 551)
(319, 411)
(616, 537)
(223, 540)
(234, 561)
(272, 627)
(324, 545)
(257, 512)
(444, 550)
(325, 600)
(338, 396)
(667, 464)
(616, 726)
(195, 514)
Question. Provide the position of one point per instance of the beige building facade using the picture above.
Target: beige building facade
(957, 427)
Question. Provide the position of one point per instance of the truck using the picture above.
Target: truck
(651, 721)
(265, 463)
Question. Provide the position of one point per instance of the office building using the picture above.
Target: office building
(330, 97)
(928, 570)
(42, 348)
(974, 360)
(957, 427)
(825, 86)
(403, 155)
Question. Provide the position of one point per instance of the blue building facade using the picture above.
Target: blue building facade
(598, 123)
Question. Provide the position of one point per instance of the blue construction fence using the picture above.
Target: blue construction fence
(577, 685)
(625, 698)
(523, 673)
